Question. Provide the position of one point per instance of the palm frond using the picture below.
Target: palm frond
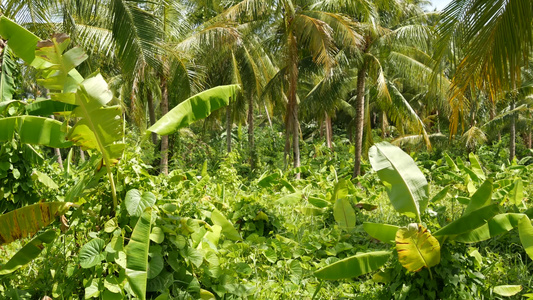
(497, 39)
(474, 137)
(316, 36)
(137, 34)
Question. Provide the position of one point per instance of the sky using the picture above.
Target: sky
(440, 4)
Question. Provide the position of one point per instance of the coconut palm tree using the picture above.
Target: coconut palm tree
(295, 28)
(385, 26)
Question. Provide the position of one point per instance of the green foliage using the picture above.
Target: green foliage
(195, 108)
(406, 185)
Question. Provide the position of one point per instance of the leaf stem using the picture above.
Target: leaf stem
(113, 189)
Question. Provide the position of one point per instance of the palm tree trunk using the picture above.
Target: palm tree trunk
(251, 142)
(293, 125)
(512, 145)
(329, 132)
(164, 138)
(383, 124)
(151, 114)
(359, 118)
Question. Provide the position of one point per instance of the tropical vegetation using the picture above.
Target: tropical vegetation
(265, 149)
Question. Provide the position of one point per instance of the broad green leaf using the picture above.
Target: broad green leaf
(499, 224)
(481, 197)
(136, 202)
(110, 225)
(227, 228)
(206, 295)
(92, 288)
(507, 290)
(92, 253)
(287, 185)
(440, 195)
(6, 75)
(29, 252)
(137, 255)
(34, 130)
(193, 255)
(318, 202)
(155, 264)
(57, 68)
(354, 266)
(383, 276)
(28, 220)
(469, 222)
(290, 199)
(406, 185)
(476, 166)
(516, 194)
(417, 248)
(341, 190)
(44, 179)
(525, 231)
(344, 213)
(450, 163)
(195, 108)
(21, 41)
(383, 232)
(48, 107)
(311, 211)
(266, 181)
(157, 235)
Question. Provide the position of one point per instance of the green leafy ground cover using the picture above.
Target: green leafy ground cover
(218, 230)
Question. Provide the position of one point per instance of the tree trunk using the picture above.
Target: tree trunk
(383, 124)
(151, 114)
(512, 146)
(251, 142)
(359, 118)
(164, 138)
(228, 126)
(329, 132)
(292, 125)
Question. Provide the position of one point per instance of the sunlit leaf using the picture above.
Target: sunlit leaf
(227, 228)
(136, 202)
(137, 255)
(406, 185)
(383, 232)
(354, 266)
(469, 222)
(525, 231)
(29, 252)
(195, 108)
(28, 220)
(34, 130)
(417, 248)
(344, 213)
(481, 198)
(92, 253)
(507, 290)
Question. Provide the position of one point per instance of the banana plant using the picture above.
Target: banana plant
(97, 125)
(194, 108)
(416, 246)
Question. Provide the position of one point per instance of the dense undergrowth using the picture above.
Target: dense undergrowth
(221, 230)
